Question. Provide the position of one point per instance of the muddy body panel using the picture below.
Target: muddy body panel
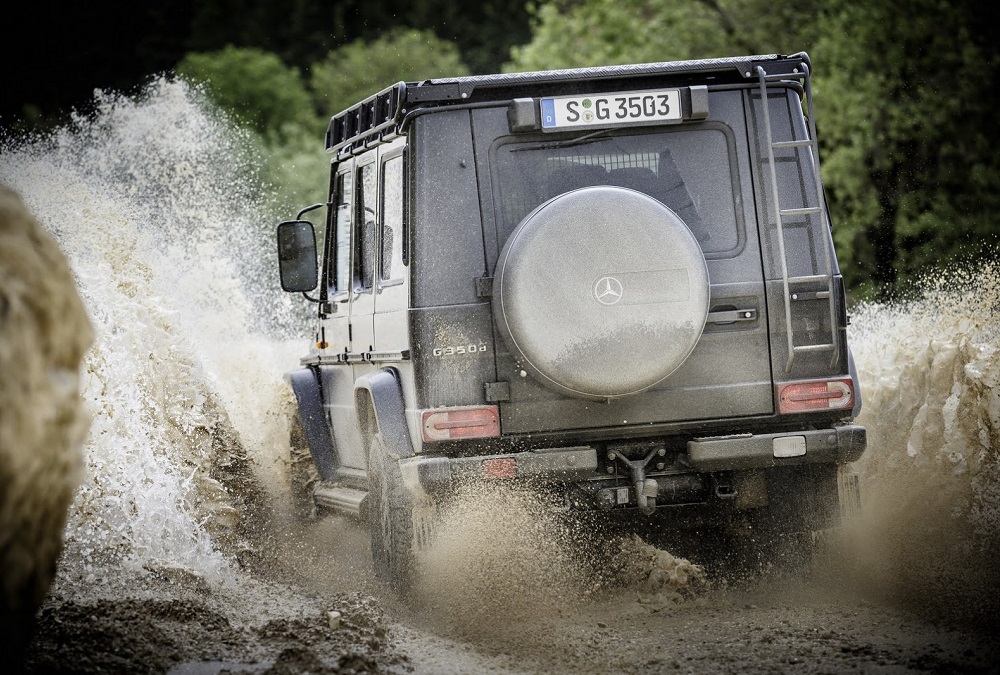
(619, 281)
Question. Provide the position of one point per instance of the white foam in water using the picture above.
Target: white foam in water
(154, 202)
(930, 374)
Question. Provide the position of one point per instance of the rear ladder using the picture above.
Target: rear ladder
(788, 282)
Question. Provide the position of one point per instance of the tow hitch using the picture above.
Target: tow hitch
(646, 489)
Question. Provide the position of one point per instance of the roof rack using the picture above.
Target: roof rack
(370, 120)
(378, 117)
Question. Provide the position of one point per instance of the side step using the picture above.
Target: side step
(342, 499)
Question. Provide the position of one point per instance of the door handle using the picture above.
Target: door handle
(732, 316)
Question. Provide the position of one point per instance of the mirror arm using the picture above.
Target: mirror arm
(312, 208)
(301, 213)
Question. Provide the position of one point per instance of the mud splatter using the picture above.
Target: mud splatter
(929, 534)
(505, 555)
(171, 538)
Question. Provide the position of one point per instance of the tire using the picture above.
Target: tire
(302, 473)
(780, 538)
(601, 293)
(390, 514)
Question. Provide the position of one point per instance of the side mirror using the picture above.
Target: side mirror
(297, 256)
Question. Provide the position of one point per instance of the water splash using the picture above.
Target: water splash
(155, 202)
(930, 375)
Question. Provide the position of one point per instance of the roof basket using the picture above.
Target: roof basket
(378, 117)
(371, 119)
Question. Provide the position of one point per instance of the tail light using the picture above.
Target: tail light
(449, 424)
(814, 395)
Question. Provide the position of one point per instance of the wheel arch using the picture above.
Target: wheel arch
(379, 405)
(305, 384)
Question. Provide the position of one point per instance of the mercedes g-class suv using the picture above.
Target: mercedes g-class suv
(618, 282)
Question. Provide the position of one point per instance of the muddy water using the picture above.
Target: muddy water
(155, 204)
(151, 202)
(180, 554)
(929, 534)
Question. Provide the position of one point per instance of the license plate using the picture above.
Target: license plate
(634, 107)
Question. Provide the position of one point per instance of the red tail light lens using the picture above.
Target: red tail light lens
(448, 424)
(813, 395)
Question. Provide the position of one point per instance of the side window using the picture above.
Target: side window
(393, 205)
(340, 272)
(365, 242)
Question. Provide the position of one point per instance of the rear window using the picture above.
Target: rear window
(687, 170)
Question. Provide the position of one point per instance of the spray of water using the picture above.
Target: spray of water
(155, 203)
(929, 534)
(506, 564)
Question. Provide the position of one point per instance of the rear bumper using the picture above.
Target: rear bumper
(431, 476)
(837, 445)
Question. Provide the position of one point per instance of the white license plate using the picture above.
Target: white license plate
(633, 107)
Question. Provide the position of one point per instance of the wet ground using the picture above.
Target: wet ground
(189, 440)
(818, 619)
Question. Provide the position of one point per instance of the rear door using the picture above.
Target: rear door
(699, 170)
(337, 376)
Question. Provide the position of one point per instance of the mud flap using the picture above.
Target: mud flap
(849, 492)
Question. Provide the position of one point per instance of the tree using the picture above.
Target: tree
(302, 32)
(255, 87)
(909, 139)
(571, 33)
(258, 90)
(359, 69)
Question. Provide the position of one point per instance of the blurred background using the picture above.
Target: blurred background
(904, 89)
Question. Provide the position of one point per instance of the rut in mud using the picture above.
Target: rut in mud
(182, 551)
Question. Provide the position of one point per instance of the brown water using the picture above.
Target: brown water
(156, 204)
(929, 534)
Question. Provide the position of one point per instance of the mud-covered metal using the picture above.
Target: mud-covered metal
(601, 292)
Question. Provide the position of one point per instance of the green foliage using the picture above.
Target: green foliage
(909, 143)
(255, 87)
(571, 33)
(297, 172)
(359, 69)
(304, 31)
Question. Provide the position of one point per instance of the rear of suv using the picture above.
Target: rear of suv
(618, 282)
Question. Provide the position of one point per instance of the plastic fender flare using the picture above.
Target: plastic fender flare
(309, 396)
(383, 391)
(856, 410)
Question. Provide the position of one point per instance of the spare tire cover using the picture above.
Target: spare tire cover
(601, 292)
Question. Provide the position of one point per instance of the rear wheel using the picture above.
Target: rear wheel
(780, 537)
(390, 515)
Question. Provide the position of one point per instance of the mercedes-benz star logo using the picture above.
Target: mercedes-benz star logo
(608, 290)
